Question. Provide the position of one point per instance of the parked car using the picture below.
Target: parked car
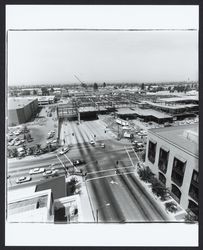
(36, 171)
(17, 143)
(64, 150)
(102, 145)
(23, 179)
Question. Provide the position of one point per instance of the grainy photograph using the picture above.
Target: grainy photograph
(102, 125)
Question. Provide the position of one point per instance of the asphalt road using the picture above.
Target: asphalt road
(116, 196)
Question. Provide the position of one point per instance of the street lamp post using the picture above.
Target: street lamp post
(97, 210)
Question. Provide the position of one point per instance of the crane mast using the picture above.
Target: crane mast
(82, 83)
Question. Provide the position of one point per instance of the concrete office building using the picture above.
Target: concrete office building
(21, 110)
(172, 155)
(36, 207)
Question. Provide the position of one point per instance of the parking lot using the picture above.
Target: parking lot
(32, 136)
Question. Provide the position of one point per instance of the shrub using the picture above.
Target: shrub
(146, 174)
(190, 217)
(159, 190)
(171, 207)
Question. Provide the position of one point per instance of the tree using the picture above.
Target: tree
(95, 86)
(104, 84)
(34, 92)
(44, 91)
(15, 152)
(142, 86)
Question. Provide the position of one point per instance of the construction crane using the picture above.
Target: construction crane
(82, 83)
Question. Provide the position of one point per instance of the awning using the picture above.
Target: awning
(180, 158)
(165, 148)
(153, 141)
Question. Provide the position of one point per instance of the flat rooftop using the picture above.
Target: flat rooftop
(175, 106)
(46, 98)
(180, 98)
(19, 102)
(143, 112)
(87, 109)
(182, 136)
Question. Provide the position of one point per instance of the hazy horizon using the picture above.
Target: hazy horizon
(54, 57)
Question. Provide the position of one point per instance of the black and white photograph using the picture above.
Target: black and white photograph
(102, 118)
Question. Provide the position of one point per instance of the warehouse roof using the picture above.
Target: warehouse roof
(185, 136)
(19, 102)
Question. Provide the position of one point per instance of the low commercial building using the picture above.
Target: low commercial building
(21, 110)
(177, 110)
(146, 114)
(172, 155)
(45, 100)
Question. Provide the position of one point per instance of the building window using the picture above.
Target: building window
(176, 193)
(163, 160)
(193, 207)
(194, 189)
(152, 151)
(162, 178)
(178, 171)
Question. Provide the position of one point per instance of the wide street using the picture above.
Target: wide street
(115, 193)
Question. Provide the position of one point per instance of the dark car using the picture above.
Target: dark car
(78, 162)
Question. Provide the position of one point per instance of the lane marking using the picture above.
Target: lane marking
(95, 172)
(129, 156)
(106, 176)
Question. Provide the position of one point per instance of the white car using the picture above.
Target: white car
(11, 143)
(17, 143)
(54, 141)
(92, 142)
(36, 171)
(64, 150)
(50, 172)
(23, 179)
(102, 145)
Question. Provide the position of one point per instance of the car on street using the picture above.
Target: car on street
(23, 179)
(134, 143)
(78, 162)
(50, 172)
(54, 141)
(36, 171)
(92, 142)
(102, 145)
(64, 150)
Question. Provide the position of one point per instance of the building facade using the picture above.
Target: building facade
(172, 155)
(21, 110)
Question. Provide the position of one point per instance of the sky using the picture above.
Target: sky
(51, 57)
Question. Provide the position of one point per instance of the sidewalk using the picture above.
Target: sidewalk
(85, 204)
